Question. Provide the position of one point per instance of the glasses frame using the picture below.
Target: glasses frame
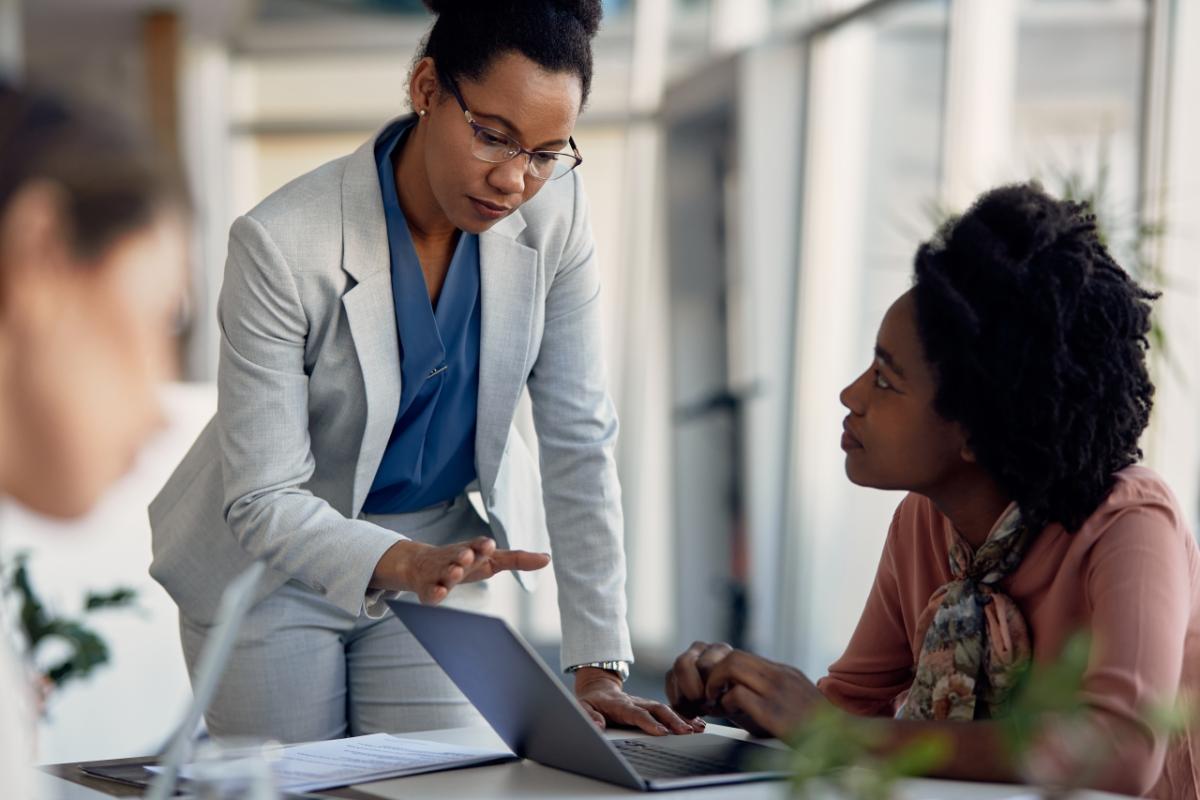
(476, 128)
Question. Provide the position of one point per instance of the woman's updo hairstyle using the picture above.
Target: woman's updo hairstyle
(554, 34)
(1038, 342)
(112, 182)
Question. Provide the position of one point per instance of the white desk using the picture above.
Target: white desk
(525, 779)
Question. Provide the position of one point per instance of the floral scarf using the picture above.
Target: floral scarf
(976, 643)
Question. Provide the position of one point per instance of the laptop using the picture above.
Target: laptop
(236, 601)
(540, 720)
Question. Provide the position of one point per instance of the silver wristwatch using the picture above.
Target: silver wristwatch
(621, 668)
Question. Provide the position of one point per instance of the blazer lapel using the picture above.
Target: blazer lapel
(370, 310)
(508, 282)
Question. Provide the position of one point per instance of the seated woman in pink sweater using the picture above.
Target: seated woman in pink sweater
(1006, 394)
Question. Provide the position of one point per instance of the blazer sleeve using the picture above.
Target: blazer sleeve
(262, 419)
(576, 426)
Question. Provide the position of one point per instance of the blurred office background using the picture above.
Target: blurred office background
(760, 173)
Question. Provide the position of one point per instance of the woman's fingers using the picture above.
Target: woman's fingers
(688, 686)
(521, 560)
(685, 681)
(636, 717)
(506, 560)
(672, 721)
(674, 695)
(774, 696)
(738, 667)
(710, 657)
(452, 575)
(437, 570)
(752, 711)
(596, 717)
(432, 595)
(483, 546)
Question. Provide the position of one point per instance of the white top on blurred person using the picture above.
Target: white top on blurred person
(92, 253)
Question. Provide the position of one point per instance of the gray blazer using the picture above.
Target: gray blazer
(309, 387)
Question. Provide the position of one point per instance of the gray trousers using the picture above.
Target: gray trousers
(304, 670)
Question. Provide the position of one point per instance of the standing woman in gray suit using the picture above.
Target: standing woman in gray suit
(379, 319)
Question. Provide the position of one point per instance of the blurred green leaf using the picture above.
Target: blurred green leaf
(835, 751)
(86, 650)
(114, 599)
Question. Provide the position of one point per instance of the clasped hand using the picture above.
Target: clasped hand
(432, 572)
(764, 697)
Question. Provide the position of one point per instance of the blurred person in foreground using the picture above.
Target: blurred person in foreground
(92, 255)
(380, 318)
(1007, 394)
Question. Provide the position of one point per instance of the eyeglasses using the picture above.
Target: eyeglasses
(497, 147)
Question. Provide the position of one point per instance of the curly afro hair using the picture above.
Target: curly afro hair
(555, 34)
(1038, 341)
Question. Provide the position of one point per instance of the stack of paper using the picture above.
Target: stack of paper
(341, 762)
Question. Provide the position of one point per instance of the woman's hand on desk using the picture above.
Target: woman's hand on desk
(603, 697)
(432, 572)
(764, 697)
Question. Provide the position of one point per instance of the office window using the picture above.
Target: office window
(871, 182)
(1077, 105)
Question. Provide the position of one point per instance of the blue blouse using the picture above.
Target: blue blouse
(430, 456)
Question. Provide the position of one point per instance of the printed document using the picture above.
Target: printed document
(362, 759)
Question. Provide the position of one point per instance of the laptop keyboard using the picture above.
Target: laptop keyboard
(651, 761)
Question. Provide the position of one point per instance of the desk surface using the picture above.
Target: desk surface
(525, 779)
